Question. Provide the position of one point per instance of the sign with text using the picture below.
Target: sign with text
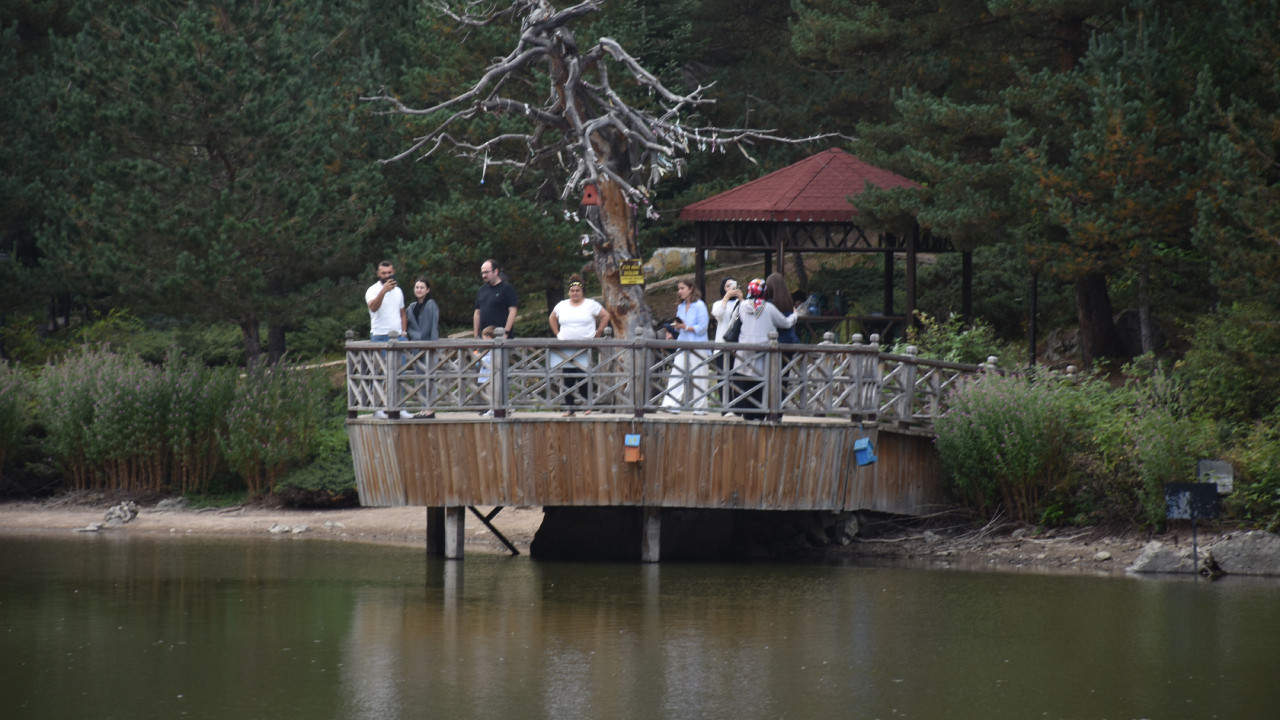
(631, 273)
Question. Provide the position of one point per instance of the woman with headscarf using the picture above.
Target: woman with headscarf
(578, 318)
(759, 318)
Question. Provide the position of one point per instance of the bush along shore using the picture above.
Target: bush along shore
(100, 420)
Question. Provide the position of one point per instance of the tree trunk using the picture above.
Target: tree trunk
(1098, 336)
(625, 303)
(1144, 309)
(553, 293)
(252, 339)
(275, 343)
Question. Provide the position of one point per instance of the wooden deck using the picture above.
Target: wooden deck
(688, 461)
(816, 401)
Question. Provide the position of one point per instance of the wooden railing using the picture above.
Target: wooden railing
(857, 381)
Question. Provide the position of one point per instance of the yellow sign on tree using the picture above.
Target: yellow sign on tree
(630, 272)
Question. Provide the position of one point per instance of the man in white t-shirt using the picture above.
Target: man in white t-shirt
(387, 317)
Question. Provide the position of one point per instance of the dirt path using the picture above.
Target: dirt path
(387, 526)
(1006, 548)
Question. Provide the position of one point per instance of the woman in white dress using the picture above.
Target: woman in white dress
(578, 318)
(689, 367)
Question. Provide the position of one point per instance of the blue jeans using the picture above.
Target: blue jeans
(379, 338)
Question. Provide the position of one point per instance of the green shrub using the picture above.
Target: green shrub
(1147, 437)
(66, 395)
(1005, 441)
(1230, 369)
(117, 422)
(272, 423)
(329, 477)
(200, 398)
(1257, 460)
(107, 416)
(953, 340)
(15, 389)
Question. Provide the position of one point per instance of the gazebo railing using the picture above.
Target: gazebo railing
(856, 381)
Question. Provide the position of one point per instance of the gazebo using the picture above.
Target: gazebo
(809, 207)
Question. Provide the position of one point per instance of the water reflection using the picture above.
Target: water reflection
(135, 627)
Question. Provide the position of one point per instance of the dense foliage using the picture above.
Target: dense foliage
(202, 174)
(114, 421)
(14, 409)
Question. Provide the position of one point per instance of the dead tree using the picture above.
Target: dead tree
(581, 130)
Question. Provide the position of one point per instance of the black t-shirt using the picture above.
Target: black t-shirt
(493, 301)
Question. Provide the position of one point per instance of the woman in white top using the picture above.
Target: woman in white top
(578, 318)
(724, 308)
(759, 318)
(724, 311)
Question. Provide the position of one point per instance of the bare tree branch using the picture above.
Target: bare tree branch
(591, 132)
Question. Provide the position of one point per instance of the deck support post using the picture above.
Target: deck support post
(651, 534)
(435, 531)
(455, 523)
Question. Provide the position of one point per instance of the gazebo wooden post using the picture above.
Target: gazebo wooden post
(888, 281)
(700, 266)
(911, 280)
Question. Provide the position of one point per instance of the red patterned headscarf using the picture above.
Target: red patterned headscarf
(755, 293)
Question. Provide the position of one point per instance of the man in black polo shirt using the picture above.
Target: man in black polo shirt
(496, 300)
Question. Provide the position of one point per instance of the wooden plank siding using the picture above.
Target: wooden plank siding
(688, 462)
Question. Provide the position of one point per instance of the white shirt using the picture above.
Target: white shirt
(577, 323)
(723, 313)
(386, 319)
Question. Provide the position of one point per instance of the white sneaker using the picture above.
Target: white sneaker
(406, 415)
(380, 414)
(699, 412)
(673, 411)
(487, 413)
(731, 415)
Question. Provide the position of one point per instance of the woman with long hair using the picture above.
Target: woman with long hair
(776, 293)
(688, 367)
(423, 313)
(423, 325)
(577, 318)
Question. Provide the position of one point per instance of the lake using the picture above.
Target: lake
(119, 626)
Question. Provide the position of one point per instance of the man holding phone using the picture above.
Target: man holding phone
(387, 318)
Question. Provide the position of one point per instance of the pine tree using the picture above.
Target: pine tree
(215, 172)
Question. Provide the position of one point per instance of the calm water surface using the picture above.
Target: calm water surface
(114, 626)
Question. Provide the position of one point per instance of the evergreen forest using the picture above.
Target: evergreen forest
(193, 192)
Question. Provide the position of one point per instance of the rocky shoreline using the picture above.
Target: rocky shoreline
(997, 547)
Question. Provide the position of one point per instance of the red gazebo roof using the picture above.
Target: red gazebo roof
(816, 189)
